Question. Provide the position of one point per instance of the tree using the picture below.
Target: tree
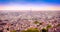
(31, 30)
(48, 26)
(13, 31)
(23, 31)
(44, 30)
(36, 22)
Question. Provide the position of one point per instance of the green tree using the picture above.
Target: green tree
(13, 31)
(48, 26)
(44, 30)
(36, 22)
(31, 30)
(23, 31)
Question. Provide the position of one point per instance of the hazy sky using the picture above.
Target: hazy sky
(29, 4)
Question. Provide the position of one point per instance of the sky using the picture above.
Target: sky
(29, 4)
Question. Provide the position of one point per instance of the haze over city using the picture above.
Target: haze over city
(30, 5)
